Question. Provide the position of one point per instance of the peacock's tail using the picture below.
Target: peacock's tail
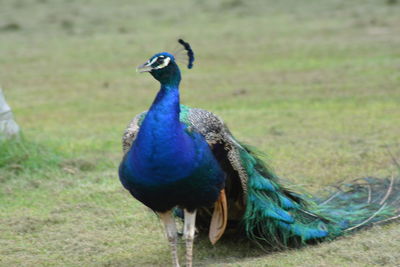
(284, 218)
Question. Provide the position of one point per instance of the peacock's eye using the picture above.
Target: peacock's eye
(160, 62)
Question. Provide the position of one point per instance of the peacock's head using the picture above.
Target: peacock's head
(163, 66)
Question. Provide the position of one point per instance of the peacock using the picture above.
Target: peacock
(184, 162)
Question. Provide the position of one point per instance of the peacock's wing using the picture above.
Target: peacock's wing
(131, 131)
(230, 207)
(227, 151)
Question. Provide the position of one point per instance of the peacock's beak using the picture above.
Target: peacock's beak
(146, 67)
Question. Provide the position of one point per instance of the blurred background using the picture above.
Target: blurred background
(313, 84)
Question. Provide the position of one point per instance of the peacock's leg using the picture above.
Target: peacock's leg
(172, 234)
(188, 233)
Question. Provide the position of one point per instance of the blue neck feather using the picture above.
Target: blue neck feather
(162, 148)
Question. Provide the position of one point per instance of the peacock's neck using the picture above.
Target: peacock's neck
(161, 123)
(161, 142)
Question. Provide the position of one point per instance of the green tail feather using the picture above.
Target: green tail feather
(282, 218)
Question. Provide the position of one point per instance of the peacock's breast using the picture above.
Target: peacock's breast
(165, 186)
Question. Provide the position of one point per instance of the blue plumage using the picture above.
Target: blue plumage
(262, 184)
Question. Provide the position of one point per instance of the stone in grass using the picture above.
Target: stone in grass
(8, 127)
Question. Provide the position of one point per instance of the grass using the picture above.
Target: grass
(315, 84)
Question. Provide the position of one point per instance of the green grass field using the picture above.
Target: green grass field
(314, 84)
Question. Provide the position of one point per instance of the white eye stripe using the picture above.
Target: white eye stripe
(164, 64)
